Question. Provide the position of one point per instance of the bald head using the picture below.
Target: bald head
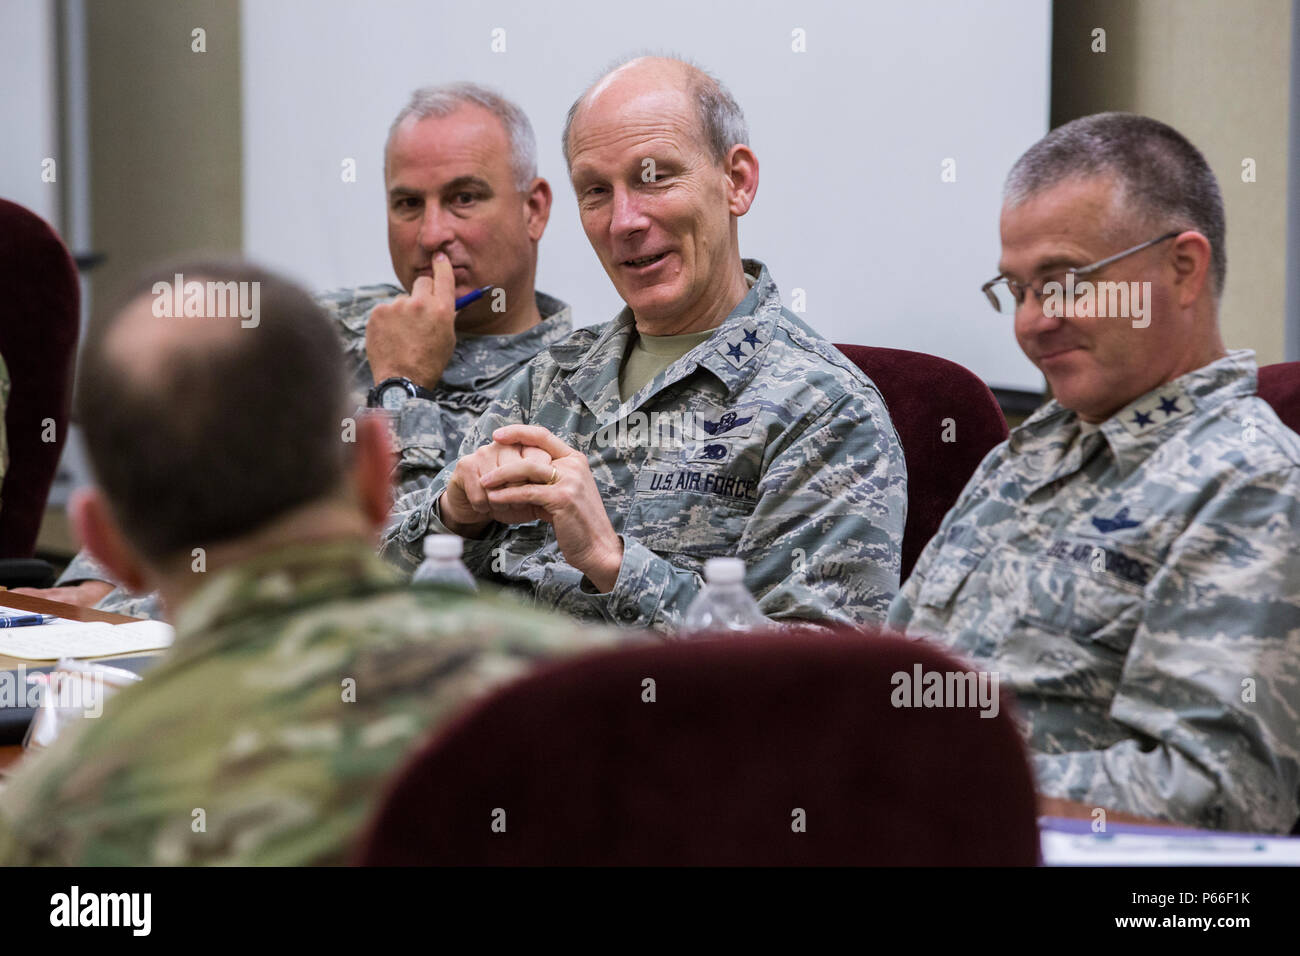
(200, 426)
(658, 161)
(658, 81)
(146, 349)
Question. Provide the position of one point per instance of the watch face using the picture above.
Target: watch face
(392, 398)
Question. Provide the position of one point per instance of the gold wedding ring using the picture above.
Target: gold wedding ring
(555, 475)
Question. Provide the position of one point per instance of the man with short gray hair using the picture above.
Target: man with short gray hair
(779, 451)
(1127, 560)
(465, 209)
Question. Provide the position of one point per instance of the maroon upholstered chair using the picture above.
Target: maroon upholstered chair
(921, 391)
(1279, 385)
(746, 741)
(39, 323)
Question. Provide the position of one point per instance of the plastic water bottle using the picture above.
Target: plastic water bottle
(442, 563)
(723, 604)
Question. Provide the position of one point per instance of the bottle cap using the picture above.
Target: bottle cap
(443, 546)
(724, 571)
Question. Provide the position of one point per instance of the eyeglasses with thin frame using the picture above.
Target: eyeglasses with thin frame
(1019, 290)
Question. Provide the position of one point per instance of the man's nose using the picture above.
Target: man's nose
(1032, 320)
(628, 215)
(1031, 317)
(435, 228)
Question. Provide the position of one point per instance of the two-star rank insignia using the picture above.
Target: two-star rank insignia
(1160, 407)
(740, 346)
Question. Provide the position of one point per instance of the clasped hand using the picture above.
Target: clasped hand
(528, 474)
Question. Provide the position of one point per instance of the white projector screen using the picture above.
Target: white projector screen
(853, 135)
(29, 113)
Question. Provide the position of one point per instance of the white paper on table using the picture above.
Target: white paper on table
(1174, 849)
(63, 638)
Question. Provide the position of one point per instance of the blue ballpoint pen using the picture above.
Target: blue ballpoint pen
(469, 297)
(23, 620)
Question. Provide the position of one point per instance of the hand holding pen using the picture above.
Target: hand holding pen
(412, 337)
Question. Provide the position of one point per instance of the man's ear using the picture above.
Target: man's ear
(537, 208)
(93, 521)
(372, 469)
(1191, 261)
(742, 179)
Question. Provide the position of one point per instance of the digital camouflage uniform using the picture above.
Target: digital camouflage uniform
(423, 429)
(1139, 589)
(297, 684)
(797, 470)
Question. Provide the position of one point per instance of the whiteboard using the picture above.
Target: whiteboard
(28, 117)
(852, 136)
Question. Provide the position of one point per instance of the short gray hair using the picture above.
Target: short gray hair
(446, 99)
(1162, 176)
(722, 122)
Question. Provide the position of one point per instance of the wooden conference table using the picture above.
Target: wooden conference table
(24, 602)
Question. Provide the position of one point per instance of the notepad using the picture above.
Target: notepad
(62, 638)
(1071, 843)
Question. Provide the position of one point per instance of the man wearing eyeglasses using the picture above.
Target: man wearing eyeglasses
(1129, 560)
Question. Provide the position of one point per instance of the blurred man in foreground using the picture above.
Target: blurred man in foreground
(1127, 561)
(303, 670)
(705, 420)
(466, 208)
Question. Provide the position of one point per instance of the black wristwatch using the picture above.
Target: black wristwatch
(392, 393)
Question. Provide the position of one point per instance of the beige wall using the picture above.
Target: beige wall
(165, 140)
(1218, 71)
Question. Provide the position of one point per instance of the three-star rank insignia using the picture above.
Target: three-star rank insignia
(1161, 406)
(740, 346)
